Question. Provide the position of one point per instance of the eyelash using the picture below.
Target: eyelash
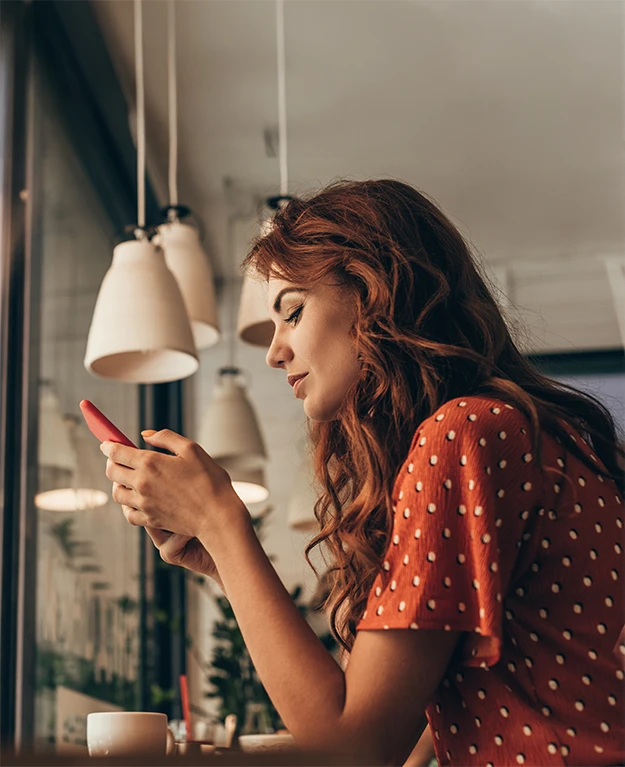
(292, 320)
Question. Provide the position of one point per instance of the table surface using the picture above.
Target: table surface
(222, 758)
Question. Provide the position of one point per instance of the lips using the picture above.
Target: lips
(292, 379)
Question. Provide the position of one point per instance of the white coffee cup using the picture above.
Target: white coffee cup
(128, 733)
(269, 742)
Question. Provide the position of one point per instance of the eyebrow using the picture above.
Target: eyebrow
(283, 292)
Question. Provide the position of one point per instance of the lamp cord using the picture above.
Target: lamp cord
(140, 114)
(282, 139)
(173, 103)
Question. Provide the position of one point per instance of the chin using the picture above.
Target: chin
(320, 413)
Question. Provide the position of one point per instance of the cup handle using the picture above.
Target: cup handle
(170, 748)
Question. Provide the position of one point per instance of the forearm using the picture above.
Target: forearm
(303, 680)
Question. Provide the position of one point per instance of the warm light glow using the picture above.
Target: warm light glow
(250, 492)
(70, 499)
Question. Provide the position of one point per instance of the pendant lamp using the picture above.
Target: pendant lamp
(56, 454)
(254, 324)
(140, 331)
(306, 493)
(180, 240)
(85, 490)
(615, 266)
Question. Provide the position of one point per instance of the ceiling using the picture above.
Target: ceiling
(509, 113)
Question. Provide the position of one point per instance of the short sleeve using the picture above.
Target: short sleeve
(463, 503)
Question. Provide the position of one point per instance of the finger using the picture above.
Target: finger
(122, 454)
(134, 517)
(125, 496)
(159, 537)
(167, 439)
(120, 474)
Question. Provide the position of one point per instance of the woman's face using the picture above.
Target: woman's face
(312, 336)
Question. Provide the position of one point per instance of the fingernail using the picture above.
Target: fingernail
(148, 432)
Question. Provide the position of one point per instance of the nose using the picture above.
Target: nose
(278, 353)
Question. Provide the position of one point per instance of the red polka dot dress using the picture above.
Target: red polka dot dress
(527, 561)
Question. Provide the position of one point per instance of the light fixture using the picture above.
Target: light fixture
(306, 493)
(254, 324)
(180, 240)
(140, 331)
(56, 455)
(85, 489)
(229, 431)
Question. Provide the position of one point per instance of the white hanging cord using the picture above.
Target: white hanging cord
(140, 114)
(173, 104)
(284, 176)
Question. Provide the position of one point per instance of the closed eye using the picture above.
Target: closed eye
(292, 319)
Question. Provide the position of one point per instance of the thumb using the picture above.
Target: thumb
(165, 438)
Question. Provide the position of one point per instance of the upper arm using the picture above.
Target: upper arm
(390, 678)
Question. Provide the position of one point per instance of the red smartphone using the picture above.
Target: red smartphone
(101, 427)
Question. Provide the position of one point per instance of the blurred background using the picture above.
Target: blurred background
(509, 113)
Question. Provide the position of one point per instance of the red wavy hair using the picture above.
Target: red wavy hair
(428, 330)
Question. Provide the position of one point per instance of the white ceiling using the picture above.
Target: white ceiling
(508, 112)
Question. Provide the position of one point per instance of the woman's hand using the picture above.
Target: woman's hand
(183, 551)
(186, 493)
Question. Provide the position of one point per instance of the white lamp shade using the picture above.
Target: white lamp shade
(229, 430)
(306, 493)
(189, 264)
(615, 266)
(254, 324)
(55, 449)
(249, 484)
(85, 487)
(140, 331)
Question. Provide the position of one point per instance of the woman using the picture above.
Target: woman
(472, 508)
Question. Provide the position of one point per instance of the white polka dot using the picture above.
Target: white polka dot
(431, 557)
(502, 464)
(566, 561)
(463, 460)
(560, 659)
(410, 468)
(504, 712)
(431, 604)
(520, 758)
(555, 587)
(422, 441)
(587, 581)
(401, 495)
(599, 749)
(481, 442)
(440, 417)
(481, 694)
(433, 460)
(419, 486)
(498, 740)
(565, 750)
(546, 711)
(461, 607)
(378, 591)
(533, 636)
(527, 730)
(393, 585)
(527, 457)
(462, 510)
(396, 539)
(598, 527)
(543, 613)
(416, 580)
(472, 749)
(453, 729)
(402, 607)
(446, 533)
(461, 559)
(605, 727)
(493, 567)
(557, 487)
(593, 553)
(578, 508)
(386, 565)
(592, 655)
(414, 626)
(431, 508)
(462, 404)
(560, 462)
(472, 417)
(601, 502)
(573, 534)
(612, 700)
(471, 484)
(581, 481)
(529, 662)
(571, 731)
(501, 493)
(620, 674)
(405, 560)
(527, 486)
(552, 748)
(553, 684)
(579, 705)
(447, 581)
(380, 610)
(502, 435)
(495, 410)
(545, 543)
(601, 628)
(417, 532)
(485, 538)
(609, 602)
(478, 511)
(476, 584)
(577, 608)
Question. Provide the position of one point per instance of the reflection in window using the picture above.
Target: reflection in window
(87, 564)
